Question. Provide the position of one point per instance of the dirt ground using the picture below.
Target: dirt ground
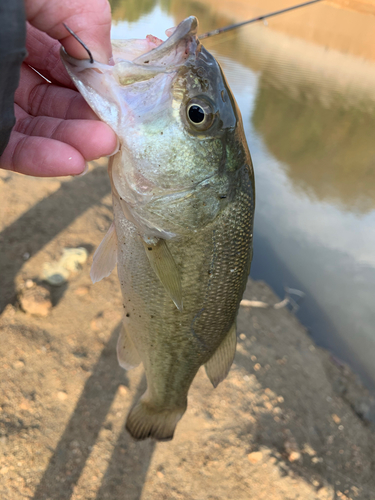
(289, 422)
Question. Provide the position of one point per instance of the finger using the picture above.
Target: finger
(40, 98)
(43, 54)
(92, 139)
(91, 21)
(41, 157)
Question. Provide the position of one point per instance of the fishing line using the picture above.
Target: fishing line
(254, 19)
(214, 32)
(80, 41)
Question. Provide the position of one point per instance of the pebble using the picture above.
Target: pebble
(36, 301)
(336, 418)
(62, 396)
(54, 274)
(57, 273)
(294, 456)
(255, 457)
(73, 258)
(122, 390)
(291, 448)
(29, 283)
(18, 364)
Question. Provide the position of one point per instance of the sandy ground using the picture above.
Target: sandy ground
(289, 422)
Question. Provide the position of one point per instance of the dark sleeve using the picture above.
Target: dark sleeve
(12, 53)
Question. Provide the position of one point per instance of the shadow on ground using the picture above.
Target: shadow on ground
(124, 469)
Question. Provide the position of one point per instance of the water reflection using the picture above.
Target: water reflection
(308, 114)
(329, 152)
(131, 10)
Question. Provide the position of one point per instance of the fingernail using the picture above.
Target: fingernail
(117, 148)
(84, 171)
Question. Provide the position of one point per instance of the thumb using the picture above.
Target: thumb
(91, 21)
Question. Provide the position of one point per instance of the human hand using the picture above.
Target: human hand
(56, 132)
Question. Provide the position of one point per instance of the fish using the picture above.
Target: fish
(183, 201)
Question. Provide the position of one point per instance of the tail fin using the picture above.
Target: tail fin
(144, 420)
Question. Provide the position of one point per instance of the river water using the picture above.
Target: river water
(308, 113)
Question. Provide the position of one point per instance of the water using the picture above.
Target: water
(308, 114)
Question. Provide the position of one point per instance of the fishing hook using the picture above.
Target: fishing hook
(254, 19)
(80, 41)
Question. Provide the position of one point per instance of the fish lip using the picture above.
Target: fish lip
(81, 64)
(187, 27)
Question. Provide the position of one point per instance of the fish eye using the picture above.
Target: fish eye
(196, 113)
(199, 114)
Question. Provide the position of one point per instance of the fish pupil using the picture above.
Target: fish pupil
(196, 114)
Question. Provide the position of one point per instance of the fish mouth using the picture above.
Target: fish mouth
(181, 45)
(109, 89)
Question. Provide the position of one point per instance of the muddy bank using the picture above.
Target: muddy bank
(289, 422)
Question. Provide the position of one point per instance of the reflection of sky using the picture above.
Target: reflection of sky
(330, 252)
(155, 23)
(301, 242)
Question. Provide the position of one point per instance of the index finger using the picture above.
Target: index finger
(91, 21)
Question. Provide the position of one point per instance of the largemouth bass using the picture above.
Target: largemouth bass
(183, 201)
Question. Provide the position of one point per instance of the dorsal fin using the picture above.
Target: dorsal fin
(162, 262)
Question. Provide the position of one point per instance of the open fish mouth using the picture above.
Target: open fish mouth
(136, 62)
(150, 53)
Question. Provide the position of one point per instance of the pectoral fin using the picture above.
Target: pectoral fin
(162, 262)
(127, 353)
(105, 256)
(218, 366)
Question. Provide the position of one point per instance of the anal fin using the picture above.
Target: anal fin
(127, 353)
(105, 256)
(162, 262)
(218, 366)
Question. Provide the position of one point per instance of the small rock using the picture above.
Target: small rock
(257, 367)
(57, 273)
(160, 474)
(309, 450)
(242, 336)
(18, 364)
(336, 418)
(36, 301)
(29, 283)
(122, 390)
(24, 405)
(73, 258)
(294, 456)
(291, 447)
(255, 457)
(62, 396)
(54, 274)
